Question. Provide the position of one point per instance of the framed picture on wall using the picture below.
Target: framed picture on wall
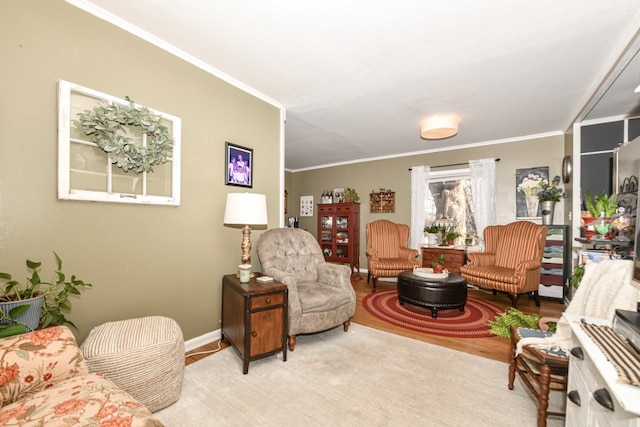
(527, 180)
(306, 205)
(239, 165)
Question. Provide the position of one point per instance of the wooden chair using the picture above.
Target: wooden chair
(541, 369)
(387, 251)
(512, 260)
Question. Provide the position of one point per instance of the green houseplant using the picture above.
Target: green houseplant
(501, 326)
(576, 275)
(603, 203)
(433, 229)
(17, 298)
(351, 195)
(450, 236)
(438, 264)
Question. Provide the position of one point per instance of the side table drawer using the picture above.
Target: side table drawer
(266, 301)
(457, 258)
(453, 267)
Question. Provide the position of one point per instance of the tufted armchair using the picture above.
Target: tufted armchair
(512, 259)
(320, 294)
(387, 251)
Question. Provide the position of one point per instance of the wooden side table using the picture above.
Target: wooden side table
(254, 318)
(453, 258)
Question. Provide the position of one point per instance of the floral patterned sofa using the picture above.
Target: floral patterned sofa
(44, 381)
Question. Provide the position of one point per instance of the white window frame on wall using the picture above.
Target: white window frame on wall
(443, 176)
(65, 192)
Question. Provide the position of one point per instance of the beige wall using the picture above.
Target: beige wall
(142, 260)
(394, 174)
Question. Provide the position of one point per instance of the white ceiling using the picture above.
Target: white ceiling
(357, 76)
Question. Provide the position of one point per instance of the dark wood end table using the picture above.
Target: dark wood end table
(254, 318)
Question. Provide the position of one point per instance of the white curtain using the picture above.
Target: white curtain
(419, 185)
(483, 190)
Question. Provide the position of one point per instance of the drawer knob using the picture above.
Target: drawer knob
(603, 397)
(574, 396)
(577, 353)
(268, 300)
(254, 334)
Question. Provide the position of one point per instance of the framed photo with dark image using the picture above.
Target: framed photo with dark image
(238, 165)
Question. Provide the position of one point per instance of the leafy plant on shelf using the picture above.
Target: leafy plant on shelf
(450, 236)
(353, 194)
(438, 264)
(433, 229)
(603, 203)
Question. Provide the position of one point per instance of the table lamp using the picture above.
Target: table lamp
(246, 209)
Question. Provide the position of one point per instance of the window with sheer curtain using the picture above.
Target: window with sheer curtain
(449, 196)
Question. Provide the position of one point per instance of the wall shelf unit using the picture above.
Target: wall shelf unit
(382, 202)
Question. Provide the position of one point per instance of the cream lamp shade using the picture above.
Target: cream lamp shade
(438, 127)
(246, 209)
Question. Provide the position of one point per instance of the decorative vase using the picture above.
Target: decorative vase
(532, 205)
(31, 317)
(432, 239)
(547, 212)
(602, 226)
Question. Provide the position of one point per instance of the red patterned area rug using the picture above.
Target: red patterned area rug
(450, 323)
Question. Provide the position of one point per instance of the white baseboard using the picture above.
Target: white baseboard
(202, 340)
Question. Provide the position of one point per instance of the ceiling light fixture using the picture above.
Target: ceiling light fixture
(438, 127)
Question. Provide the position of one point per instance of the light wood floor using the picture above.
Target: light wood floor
(493, 348)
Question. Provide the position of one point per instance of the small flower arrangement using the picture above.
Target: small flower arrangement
(551, 192)
(530, 185)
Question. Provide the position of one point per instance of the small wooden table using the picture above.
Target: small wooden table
(435, 294)
(254, 318)
(454, 258)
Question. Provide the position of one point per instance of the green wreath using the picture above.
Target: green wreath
(103, 123)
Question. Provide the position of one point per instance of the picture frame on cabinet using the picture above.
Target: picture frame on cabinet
(338, 195)
(238, 165)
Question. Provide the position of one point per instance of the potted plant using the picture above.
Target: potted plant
(438, 264)
(501, 326)
(35, 304)
(603, 203)
(432, 234)
(576, 275)
(450, 236)
(597, 206)
(351, 195)
(549, 193)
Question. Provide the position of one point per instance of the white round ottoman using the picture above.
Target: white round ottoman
(144, 357)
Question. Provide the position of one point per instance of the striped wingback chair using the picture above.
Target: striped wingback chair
(512, 260)
(387, 251)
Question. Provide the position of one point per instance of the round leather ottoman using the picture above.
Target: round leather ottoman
(436, 294)
(143, 356)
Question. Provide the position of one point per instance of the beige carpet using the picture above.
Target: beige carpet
(364, 377)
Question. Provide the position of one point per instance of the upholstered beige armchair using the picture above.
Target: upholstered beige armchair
(387, 251)
(512, 260)
(320, 294)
